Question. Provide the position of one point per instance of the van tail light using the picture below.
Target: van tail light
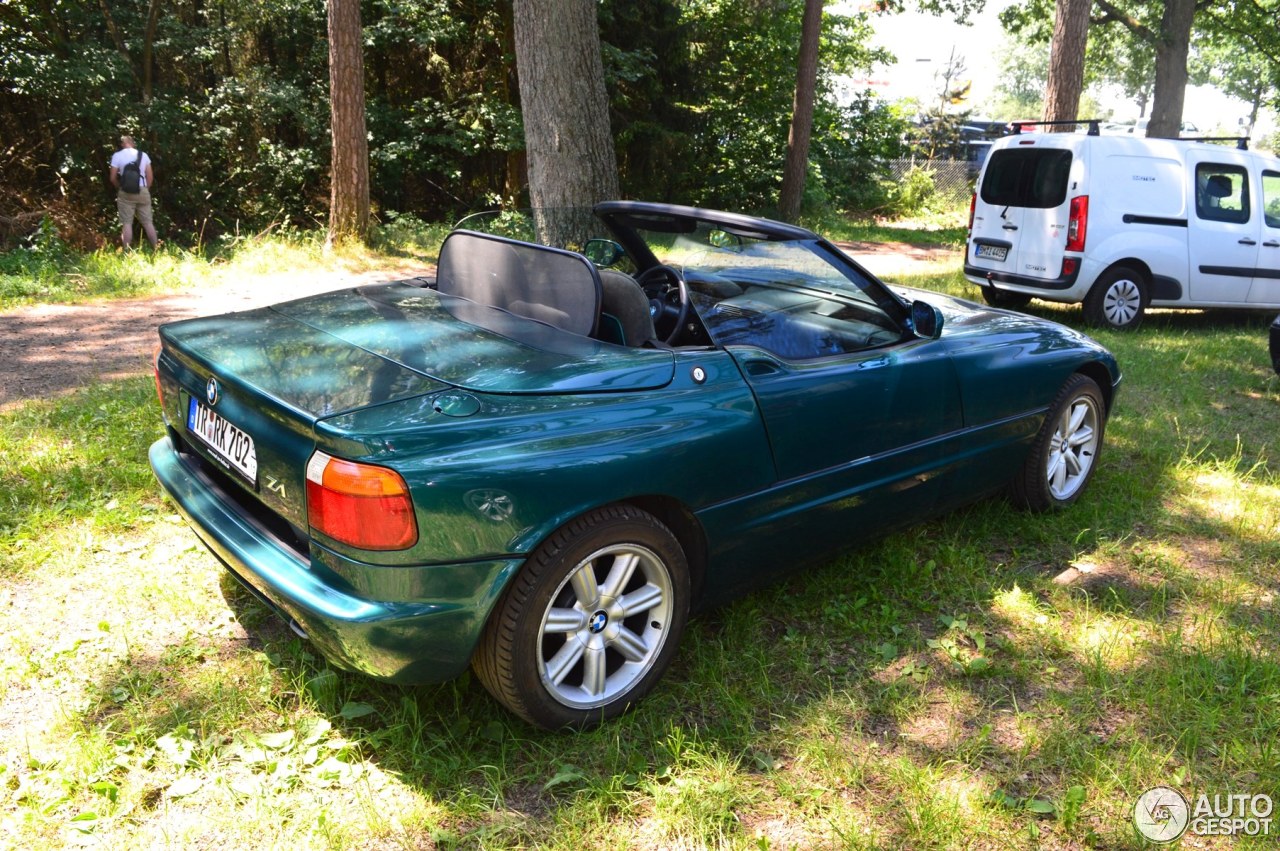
(363, 505)
(155, 367)
(973, 206)
(1078, 223)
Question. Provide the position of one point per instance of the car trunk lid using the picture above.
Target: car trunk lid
(478, 348)
(249, 389)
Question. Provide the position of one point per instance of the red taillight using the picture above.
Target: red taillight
(155, 366)
(973, 206)
(1078, 223)
(363, 505)
(1069, 266)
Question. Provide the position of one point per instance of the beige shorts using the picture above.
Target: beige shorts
(130, 205)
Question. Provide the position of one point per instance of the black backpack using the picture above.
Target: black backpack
(131, 176)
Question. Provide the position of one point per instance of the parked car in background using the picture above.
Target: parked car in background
(1123, 223)
(1275, 345)
(539, 465)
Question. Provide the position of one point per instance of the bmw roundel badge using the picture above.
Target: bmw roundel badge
(211, 392)
(598, 622)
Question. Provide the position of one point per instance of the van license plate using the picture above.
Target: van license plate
(230, 444)
(991, 252)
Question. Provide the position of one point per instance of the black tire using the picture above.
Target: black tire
(1118, 299)
(1066, 450)
(521, 641)
(1005, 299)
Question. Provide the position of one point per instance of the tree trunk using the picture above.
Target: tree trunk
(797, 164)
(566, 115)
(1172, 46)
(1066, 62)
(148, 45)
(349, 172)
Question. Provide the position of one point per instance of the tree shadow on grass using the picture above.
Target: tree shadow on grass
(771, 685)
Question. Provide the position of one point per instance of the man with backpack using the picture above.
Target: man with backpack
(132, 176)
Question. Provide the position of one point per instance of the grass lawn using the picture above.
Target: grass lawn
(988, 679)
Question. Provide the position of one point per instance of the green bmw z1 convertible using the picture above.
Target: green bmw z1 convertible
(540, 462)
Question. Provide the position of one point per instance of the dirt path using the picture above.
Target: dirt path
(50, 350)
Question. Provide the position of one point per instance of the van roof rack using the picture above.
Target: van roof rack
(1015, 127)
(1242, 142)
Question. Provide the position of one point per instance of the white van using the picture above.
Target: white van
(1122, 223)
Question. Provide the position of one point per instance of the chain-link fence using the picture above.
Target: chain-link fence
(952, 179)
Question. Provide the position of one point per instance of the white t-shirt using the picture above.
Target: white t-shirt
(124, 156)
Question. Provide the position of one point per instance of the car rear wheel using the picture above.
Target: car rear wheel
(590, 623)
(1066, 449)
(1118, 299)
(1005, 299)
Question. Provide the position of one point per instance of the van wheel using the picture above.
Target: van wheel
(1118, 300)
(1004, 299)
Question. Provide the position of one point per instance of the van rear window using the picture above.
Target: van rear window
(1027, 177)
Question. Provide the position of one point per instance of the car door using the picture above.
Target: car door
(855, 437)
(1266, 279)
(1224, 229)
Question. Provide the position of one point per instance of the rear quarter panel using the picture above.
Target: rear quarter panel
(499, 481)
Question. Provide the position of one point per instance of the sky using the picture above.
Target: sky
(924, 43)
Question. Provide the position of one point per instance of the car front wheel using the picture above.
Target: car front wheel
(1066, 449)
(590, 623)
(1118, 299)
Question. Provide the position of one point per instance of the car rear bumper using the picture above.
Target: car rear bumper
(423, 627)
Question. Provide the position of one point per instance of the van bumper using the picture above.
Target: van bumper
(1020, 283)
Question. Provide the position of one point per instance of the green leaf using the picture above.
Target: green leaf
(277, 741)
(185, 785)
(106, 788)
(1040, 806)
(1002, 798)
(178, 750)
(316, 731)
(978, 665)
(351, 711)
(566, 774)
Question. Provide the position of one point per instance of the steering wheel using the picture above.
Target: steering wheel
(668, 300)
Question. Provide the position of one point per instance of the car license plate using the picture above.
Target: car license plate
(991, 252)
(230, 444)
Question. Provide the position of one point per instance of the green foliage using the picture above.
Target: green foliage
(938, 136)
(913, 193)
(231, 102)
(1024, 70)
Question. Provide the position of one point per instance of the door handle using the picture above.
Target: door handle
(1271, 243)
(1248, 241)
(1010, 227)
(761, 368)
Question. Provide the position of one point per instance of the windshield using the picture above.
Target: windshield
(792, 297)
(750, 281)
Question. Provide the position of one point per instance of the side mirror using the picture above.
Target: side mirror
(926, 320)
(603, 252)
